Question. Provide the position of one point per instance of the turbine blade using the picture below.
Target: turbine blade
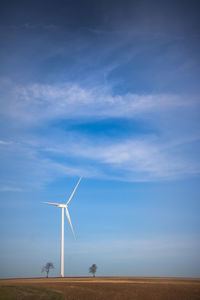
(73, 191)
(50, 203)
(70, 223)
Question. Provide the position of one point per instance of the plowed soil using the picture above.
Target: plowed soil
(106, 288)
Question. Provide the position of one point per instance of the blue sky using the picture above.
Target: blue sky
(110, 92)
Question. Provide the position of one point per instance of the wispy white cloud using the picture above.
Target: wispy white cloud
(25, 164)
(29, 26)
(139, 159)
(4, 142)
(38, 102)
(164, 154)
(10, 189)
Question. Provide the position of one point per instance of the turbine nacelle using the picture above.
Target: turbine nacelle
(62, 205)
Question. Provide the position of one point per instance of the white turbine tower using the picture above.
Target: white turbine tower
(64, 206)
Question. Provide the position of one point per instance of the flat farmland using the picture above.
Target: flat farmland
(85, 288)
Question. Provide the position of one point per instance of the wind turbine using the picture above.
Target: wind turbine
(64, 206)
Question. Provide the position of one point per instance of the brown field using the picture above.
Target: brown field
(114, 288)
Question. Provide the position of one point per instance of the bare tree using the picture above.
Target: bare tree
(93, 269)
(47, 268)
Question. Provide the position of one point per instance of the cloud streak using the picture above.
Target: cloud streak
(37, 102)
(163, 154)
(10, 189)
(133, 159)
